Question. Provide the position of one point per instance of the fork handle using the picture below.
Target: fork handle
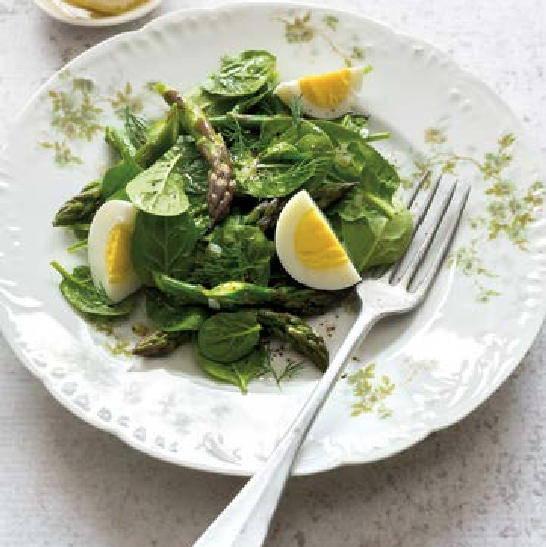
(245, 521)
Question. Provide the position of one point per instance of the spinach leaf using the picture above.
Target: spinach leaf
(283, 152)
(348, 130)
(238, 373)
(192, 165)
(377, 239)
(244, 104)
(235, 252)
(292, 154)
(379, 181)
(228, 336)
(242, 75)
(272, 180)
(161, 136)
(169, 317)
(118, 176)
(305, 135)
(136, 128)
(164, 245)
(355, 160)
(160, 189)
(211, 105)
(79, 291)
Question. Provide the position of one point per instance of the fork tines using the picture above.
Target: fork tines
(435, 224)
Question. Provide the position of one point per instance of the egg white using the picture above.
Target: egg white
(335, 278)
(286, 91)
(109, 215)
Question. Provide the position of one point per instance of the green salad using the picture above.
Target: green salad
(186, 219)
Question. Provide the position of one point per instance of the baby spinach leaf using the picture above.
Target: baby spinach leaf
(160, 189)
(394, 240)
(235, 252)
(161, 137)
(239, 372)
(79, 291)
(377, 239)
(164, 245)
(169, 317)
(211, 105)
(354, 160)
(341, 132)
(192, 165)
(283, 152)
(244, 104)
(305, 135)
(378, 182)
(117, 177)
(242, 75)
(272, 180)
(228, 336)
(136, 128)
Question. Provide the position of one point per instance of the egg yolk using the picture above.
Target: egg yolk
(326, 90)
(316, 245)
(118, 257)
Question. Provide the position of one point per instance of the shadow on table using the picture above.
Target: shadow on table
(109, 495)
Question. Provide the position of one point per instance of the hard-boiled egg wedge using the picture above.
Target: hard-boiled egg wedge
(109, 249)
(308, 248)
(327, 95)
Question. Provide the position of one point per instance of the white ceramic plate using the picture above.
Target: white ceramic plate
(73, 15)
(430, 368)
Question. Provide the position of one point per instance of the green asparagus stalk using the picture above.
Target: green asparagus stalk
(162, 136)
(237, 294)
(160, 343)
(265, 214)
(292, 330)
(212, 147)
(119, 142)
(81, 207)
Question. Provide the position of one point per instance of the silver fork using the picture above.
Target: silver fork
(401, 288)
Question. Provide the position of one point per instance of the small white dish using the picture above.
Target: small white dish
(73, 15)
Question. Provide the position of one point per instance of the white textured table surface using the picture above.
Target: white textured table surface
(480, 483)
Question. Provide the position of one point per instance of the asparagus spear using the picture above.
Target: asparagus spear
(266, 213)
(330, 192)
(237, 294)
(119, 142)
(291, 329)
(212, 147)
(161, 136)
(81, 207)
(161, 343)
